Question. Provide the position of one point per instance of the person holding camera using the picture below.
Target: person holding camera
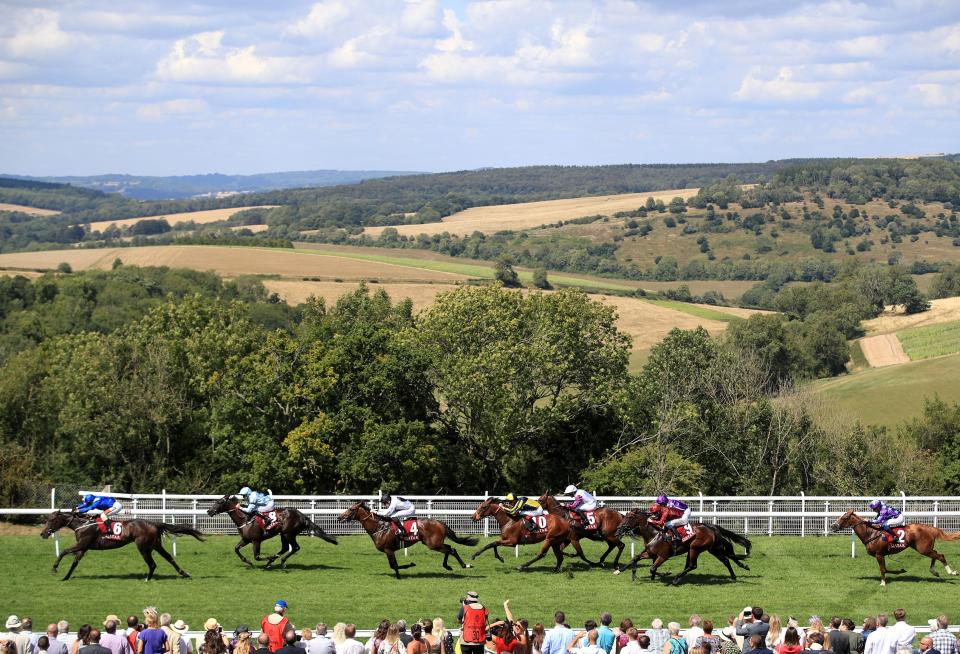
(473, 624)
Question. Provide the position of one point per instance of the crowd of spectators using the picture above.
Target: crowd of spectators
(752, 631)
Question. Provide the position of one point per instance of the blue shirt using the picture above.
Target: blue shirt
(98, 502)
(605, 638)
(557, 640)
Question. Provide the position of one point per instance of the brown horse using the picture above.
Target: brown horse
(922, 538)
(556, 535)
(607, 523)
(433, 534)
(290, 524)
(146, 534)
(706, 538)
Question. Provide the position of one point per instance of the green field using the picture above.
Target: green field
(888, 396)
(931, 341)
(352, 583)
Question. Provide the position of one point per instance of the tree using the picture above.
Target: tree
(540, 279)
(64, 267)
(506, 275)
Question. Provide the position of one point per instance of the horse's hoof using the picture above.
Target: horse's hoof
(883, 583)
(522, 568)
(676, 582)
(447, 567)
(413, 565)
(617, 572)
(467, 566)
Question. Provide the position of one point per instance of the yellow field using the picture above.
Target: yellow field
(227, 261)
(33, 211)
(199, 217)
(527, 215)
(945, 310)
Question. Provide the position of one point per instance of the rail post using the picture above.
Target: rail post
(903, 501)
(936, 509)
(853, 545)
(701, 502)
(313, 512)
(770, 518)
(53, 507)
(486, 521)
(826, 509)
(194, 503)
(803, 510)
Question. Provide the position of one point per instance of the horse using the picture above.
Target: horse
(556, 534)
(145, 533)
(706, 538)
(607, 522)
(433, 534)
(922, 538)
(291, 523)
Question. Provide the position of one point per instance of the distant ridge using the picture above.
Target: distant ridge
(178, 187)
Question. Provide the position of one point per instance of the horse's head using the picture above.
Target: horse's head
(848, 519)
(547, 500)
(55, 521)
(353, 513)
(486, 509)
(633, 520)
(222, 505)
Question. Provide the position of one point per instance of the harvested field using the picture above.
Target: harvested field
(945, 310)
(199, 217)
(256, 229)
(23, 273)
(295, 292)
(883, 350)
(931, 340)
(229, 262)
(33, 211)
(526, 215)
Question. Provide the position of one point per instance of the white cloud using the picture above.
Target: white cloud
(420, 17)
(352, 54)
(172, 108)
(322, 18)
(781, 88)
(934, 95)
(568, 47)
(455, 42)
(38, 35)
(203, 58)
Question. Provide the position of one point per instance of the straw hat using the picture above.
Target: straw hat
(180, 626)
(109, 618)
(211, 624)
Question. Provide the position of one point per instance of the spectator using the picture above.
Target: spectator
(575, 647)
(441, 632)
(658, 635)
(474, 625)
(350, 644)
(373, 643)
(306, 635)
(173, 637)
(241, 640)
(694, 631)
(418, 644)
(43, 645)
(815, 643)
(869, 626)
(632, 645)
(186, 646)
(621, 632)
(290, 642)
(899, 637)
(875, 643)
(926, 646)
(83, 638)
(588, 626)
(537, 635)
(675, 643)
(728, 640)
(15, 635)
(321, 643)
(275, 625)
(94, 647)
(133, 630)
(751, 622)
(391, 643)
(54, 644)
(116, 643)
(64, 635)
(605, 636)
(339, 633)
(836, 640)
(405, 638)
(26, 628)
(774, 636)
(791, 642)
(757, 645)
(707, 642)
(263, 644)
(559, 638)
(152, 639)
(849, 628)
(943, 641)
(434, 644)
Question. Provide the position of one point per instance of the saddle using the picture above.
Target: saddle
(274, 517)
(897, 541)
(109, 529)
(591, 523)
(411, 527)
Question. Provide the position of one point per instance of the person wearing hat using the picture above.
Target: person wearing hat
(275, 624)
(473, 624)
(19, 639)
(728, 640)
(241, 640)
(173, 636)
(181, 627)
(116, 643)
(582, 501)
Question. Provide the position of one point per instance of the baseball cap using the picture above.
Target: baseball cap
(281, 604)
(472, 595)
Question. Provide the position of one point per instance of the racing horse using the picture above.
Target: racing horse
(433, 534)
(555, 534)
(291, 523)
(706, 538)
(606, 522)
(922, 538)
(145, 533)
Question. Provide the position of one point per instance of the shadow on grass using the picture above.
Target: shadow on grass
(302, 566)
(892, 579)
(142, 576)
(441, 574)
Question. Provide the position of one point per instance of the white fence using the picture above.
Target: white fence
(772, 516)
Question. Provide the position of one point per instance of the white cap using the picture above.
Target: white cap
(569, 489)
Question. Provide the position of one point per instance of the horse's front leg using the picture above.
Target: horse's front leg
(243, 543)
(692, 556)
(56, 564)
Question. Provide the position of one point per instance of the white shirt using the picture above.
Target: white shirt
(899, 637)
(350, 646)
(397, 503)
(692, 634)
(67, 639)
(320, 645)
(874, 644)
(633, 647)
(589, 649)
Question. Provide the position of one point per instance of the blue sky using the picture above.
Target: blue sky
(241, 86)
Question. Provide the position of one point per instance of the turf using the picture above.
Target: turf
(351, 582)
(694, 310)
(890, 395)
(931, 340)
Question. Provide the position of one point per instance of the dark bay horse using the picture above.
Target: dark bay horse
(555, 536)
(145, 533)
(707, 538)
(291, 523)
(607, 523)
(433, 534)
(922, 538)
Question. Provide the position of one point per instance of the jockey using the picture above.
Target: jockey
(582, 501)
(670, 514)
(257, 502)
(101, 506)
(522, 506)
(887, 517)
(397, 509)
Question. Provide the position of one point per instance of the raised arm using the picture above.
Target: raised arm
(506, 610)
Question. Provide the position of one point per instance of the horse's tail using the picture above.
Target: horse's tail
(953, 535)
(459, 540)
(179, 530)
(735, 537)
(313, 528)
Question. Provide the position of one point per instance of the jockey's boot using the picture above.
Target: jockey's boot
(401, 532)
(582, 516)
(101, 524)
(674, 535)
(529, 523)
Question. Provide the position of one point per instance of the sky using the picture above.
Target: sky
(161, 87)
